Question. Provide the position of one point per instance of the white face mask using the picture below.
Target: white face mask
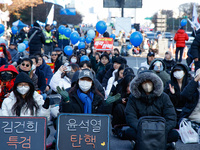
(85, 85)
(148, 87)
(88, 51)
(33, 67)
(178, 74)
(23, 89)
(73, 60)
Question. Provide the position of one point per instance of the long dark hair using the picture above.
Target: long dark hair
(94, 90)
(28, 101)
(122, 67)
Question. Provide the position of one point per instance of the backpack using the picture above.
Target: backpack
(151, 133)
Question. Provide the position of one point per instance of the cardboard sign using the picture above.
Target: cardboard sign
(52, 65)
(103, 44)
(17, 133)
(83, 132)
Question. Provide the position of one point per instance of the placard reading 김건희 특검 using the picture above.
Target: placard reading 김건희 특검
(17, 133)
(83, 132)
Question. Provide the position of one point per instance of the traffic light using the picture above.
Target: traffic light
(137, 26)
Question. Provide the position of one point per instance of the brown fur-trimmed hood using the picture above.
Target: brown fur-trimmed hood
(142, 77)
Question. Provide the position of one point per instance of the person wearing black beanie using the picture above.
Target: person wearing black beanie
(24, 100)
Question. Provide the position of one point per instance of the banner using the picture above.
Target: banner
(103, 44)
(195, 18)
(52, 65)
(50, 16)
(69, 11)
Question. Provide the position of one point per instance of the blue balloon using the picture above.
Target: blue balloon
(88, 40)
(112, 36)
(68, 50)
(84, 57)
(67, 32)
(82, 39)
(14, 29)
(54, 23)
(21, 47)
(183, 22)
(2, 40)
(26, 43)
(81, 45)
(74, 37)
(129, 46)
(61, 29)
(2, 34)
(136, 38)
(91, 33)
(1, 28)
(101, 27)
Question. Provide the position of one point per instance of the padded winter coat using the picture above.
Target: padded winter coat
(180, 38)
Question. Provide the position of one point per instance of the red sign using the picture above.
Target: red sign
(52, 65)
(103, 44)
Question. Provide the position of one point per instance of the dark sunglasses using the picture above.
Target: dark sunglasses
(53, 54)
(27, 65)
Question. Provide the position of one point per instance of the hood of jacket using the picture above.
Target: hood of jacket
(185, 79)
(135, 85)
(152, 64)
(42, 65)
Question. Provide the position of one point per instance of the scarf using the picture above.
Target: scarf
(86, 100)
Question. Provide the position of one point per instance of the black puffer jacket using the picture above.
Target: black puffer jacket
(175, 98)
(195, 49)
(107, 76)
(38, 39)
(155, 104)
(76, 106)
(191, 96)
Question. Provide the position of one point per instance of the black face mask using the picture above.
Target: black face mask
(27, 72)
(70, 75)
(6, 76)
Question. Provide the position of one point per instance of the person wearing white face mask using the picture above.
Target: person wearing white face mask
(148, 99)
(73, 59)
(24, 100)
(83, 96)
(174, 87)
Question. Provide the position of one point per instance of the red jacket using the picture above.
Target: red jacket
(6, 87)
(180, 38)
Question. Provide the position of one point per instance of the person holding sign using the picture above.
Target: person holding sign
(24, 100)
(83, 97)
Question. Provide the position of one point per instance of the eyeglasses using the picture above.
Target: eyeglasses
(27, 65)
(53, 54)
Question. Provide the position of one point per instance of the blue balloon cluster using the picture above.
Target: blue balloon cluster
(74, 37)
(91, 33)
(183, 22)
(112, 36)
(1, 28)
(61, 29)
(68, 50)
(14, 29)
(21, 47)
(88, 40)
(67, 32)
(84, 57)
(101, 27)
(81, 45)
(82, 39)
(136, 38)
